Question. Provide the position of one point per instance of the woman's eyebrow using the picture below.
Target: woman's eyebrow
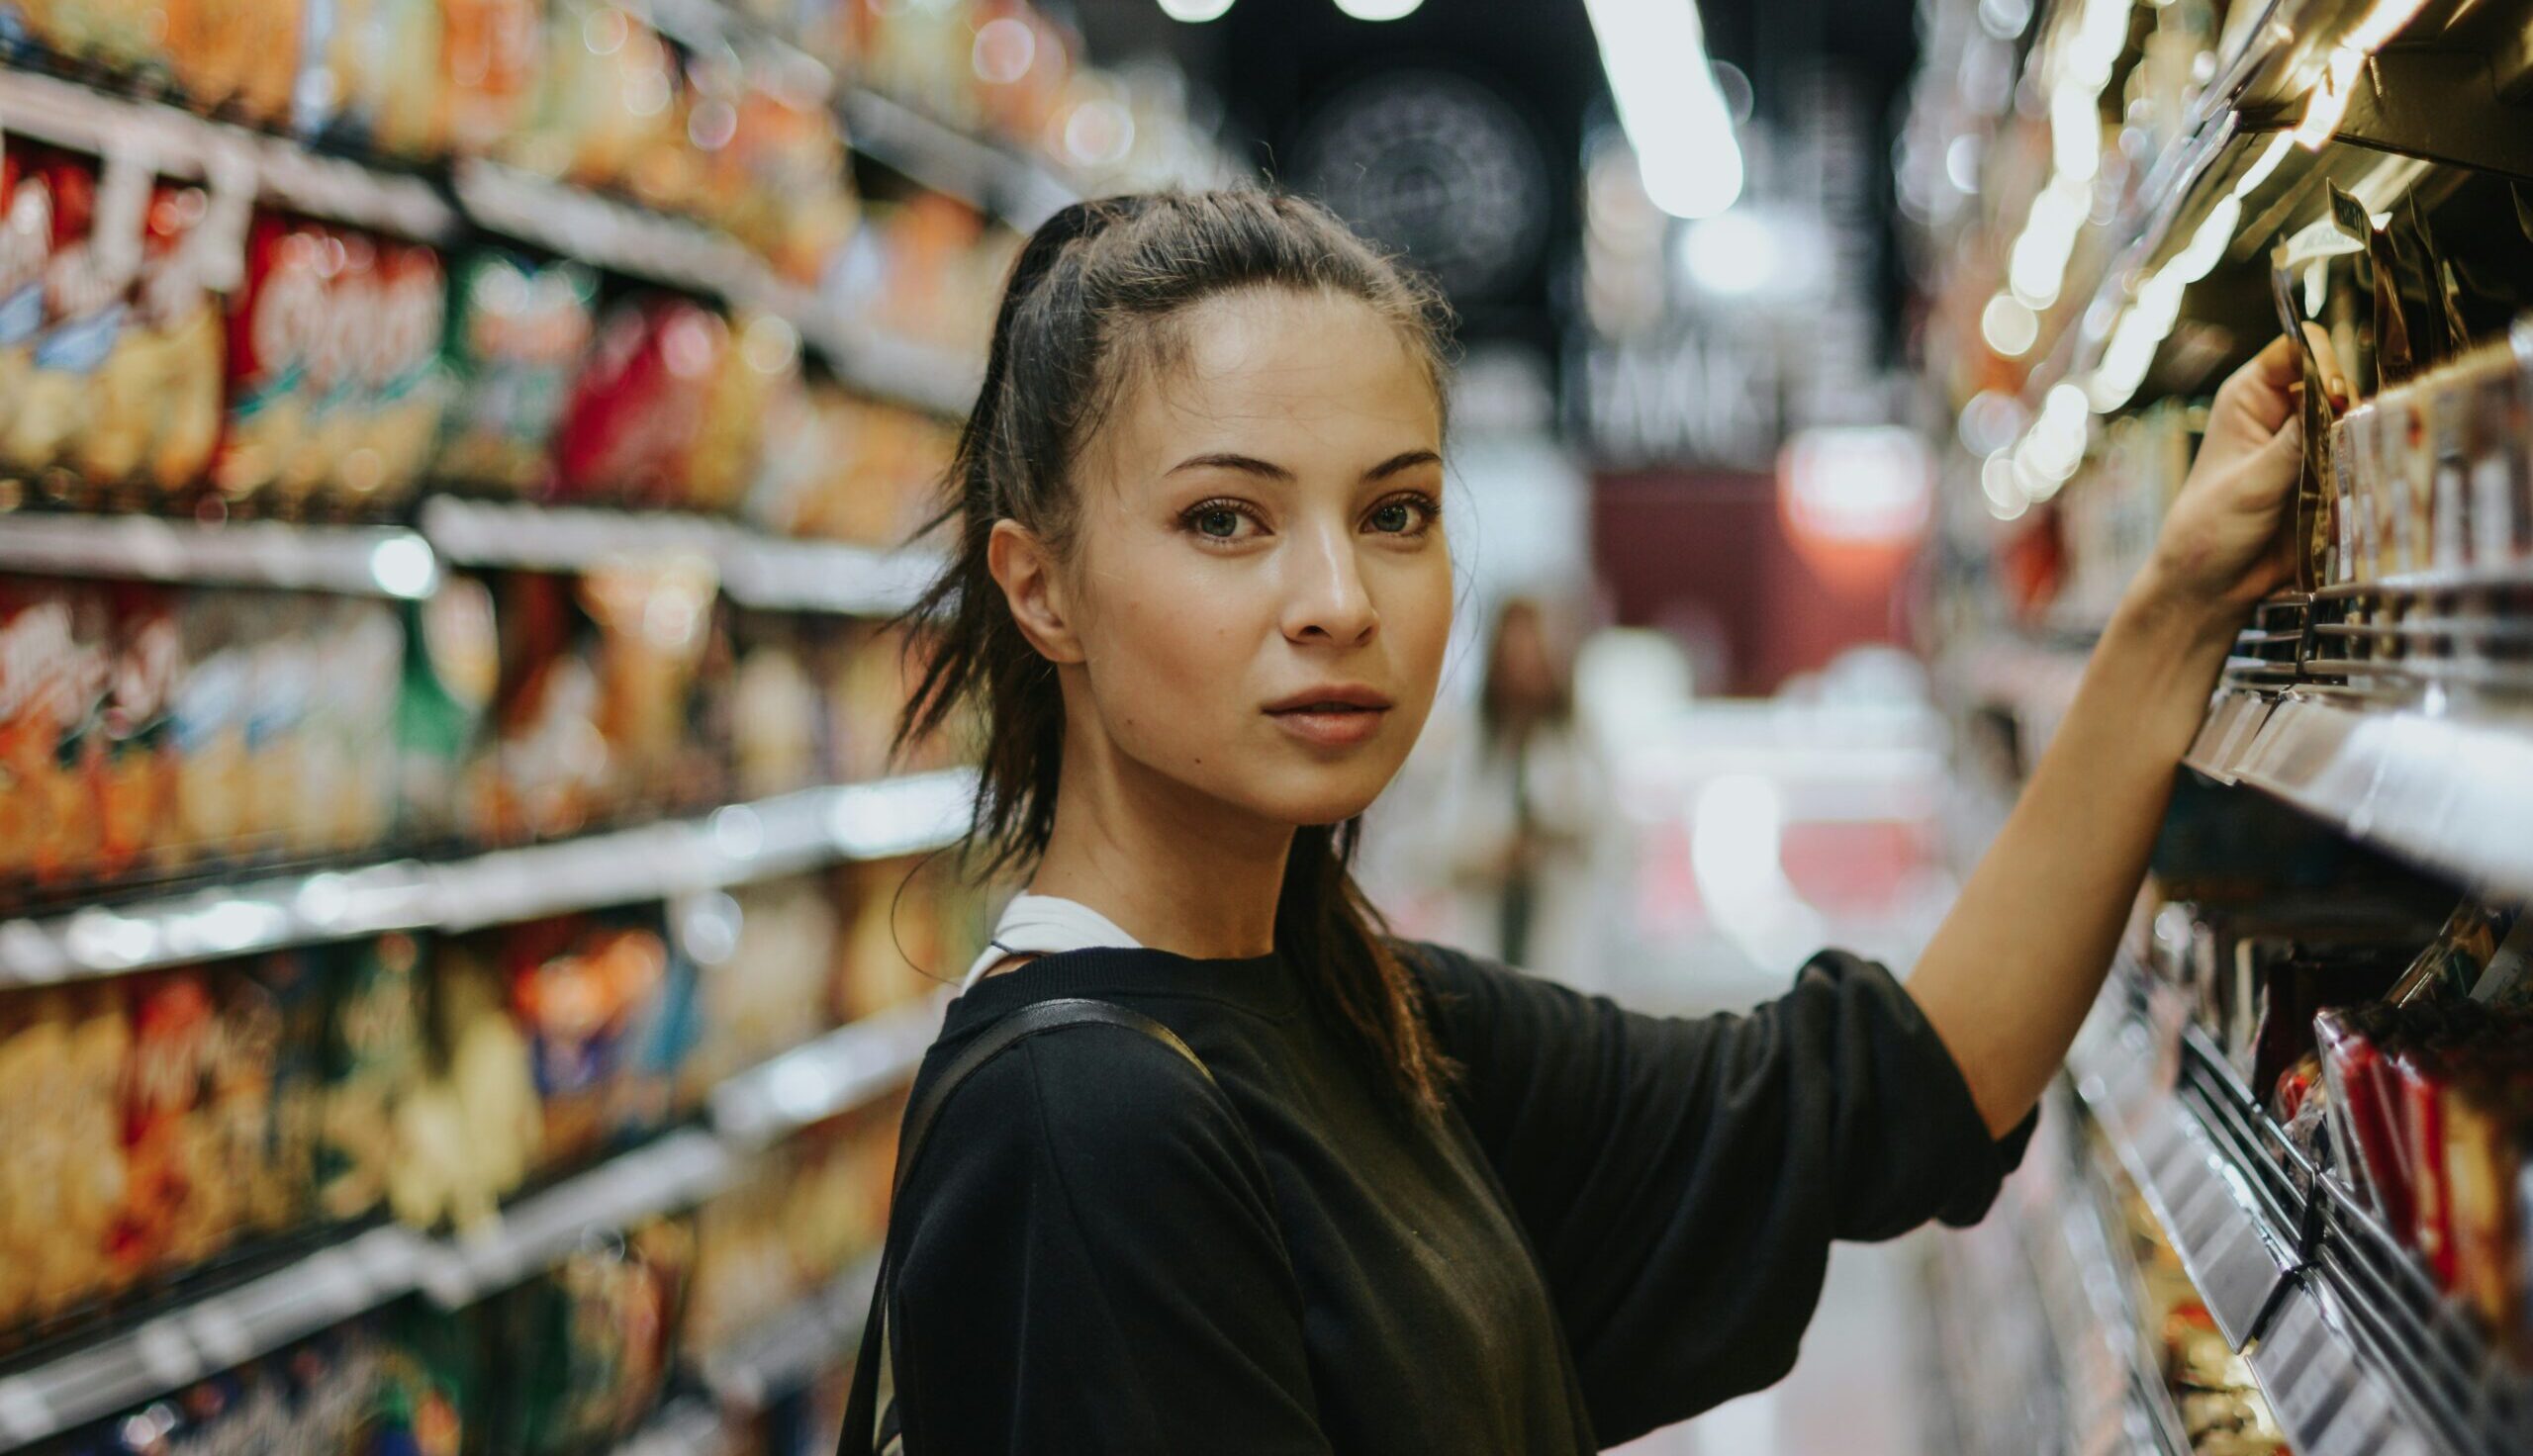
(1407, 460)
(1248, 464)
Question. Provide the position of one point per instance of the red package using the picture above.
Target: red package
(158, 394)
(638, 405)
(164, 1153)
(2422, 1079)
(277, 323)
(2363, 1117)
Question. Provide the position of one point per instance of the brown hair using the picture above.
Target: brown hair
(1094, 296)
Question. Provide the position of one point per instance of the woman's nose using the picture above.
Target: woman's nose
(1327, 600)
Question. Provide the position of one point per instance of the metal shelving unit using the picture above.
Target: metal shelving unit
(2354, 1347)
(735, 845)
(377, 1266)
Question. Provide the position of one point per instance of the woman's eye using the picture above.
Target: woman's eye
(1218, 521)
(1400, 518)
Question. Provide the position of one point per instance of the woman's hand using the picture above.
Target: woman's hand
(2225, 543)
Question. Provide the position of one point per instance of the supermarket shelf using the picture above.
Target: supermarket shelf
(2353, 1346)
(612, 234)
(678, 1171)
(212, 1334)
(926, 377)
(790, 1350)
(838, 1071)
(979, 173)
(376, 1267)
(179, 144)
(735, 845)
(758, 571)
(2234, 1255)
(2451, 793)
(354, 561)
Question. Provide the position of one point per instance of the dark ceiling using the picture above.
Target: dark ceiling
(1274, 65)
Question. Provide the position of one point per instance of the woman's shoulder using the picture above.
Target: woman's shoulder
(1096, 1097)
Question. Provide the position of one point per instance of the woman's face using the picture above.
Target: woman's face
(1260, 590)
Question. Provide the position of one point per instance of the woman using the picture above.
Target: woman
(1411, 1202)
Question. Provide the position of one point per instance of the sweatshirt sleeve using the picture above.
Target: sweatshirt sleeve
(1681, 1179)
(1090, 1262)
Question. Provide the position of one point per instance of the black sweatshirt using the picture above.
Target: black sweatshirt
(1620, 1222)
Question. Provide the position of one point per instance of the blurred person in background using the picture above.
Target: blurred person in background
(1507, 817)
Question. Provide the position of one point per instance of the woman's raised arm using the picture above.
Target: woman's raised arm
(2010, 973)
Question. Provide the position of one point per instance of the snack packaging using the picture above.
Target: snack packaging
(172, 1202)
(655, 625)
(517, 333)
(207, 727)
(136, 789)
(577, 990)
(97, 216)
(452, 667)
(279, 322)
(62, 1058)
(638, 405)
(373, 1056)
(2359, 1080)
(548, 768)
(25, 243)
(157, 407)
(403, 390)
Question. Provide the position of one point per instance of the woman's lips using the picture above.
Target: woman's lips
(1330, 724)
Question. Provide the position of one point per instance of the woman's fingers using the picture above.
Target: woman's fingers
(2334, 378)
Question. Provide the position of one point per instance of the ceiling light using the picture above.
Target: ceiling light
(1380, 9)
(1195, 12)
(1654, 53)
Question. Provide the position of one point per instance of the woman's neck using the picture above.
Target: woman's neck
(1178, 871)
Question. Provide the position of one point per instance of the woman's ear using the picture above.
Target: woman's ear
(1025, 570)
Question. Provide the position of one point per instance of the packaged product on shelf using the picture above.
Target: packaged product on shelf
(783, 183)
(805, 1211)
(56, 646)
(762, 361)
(155, 419)
(63, 1055)
(279, 1003)
(491, 53)
(348, 793)
(373, 1056)
(278, 323)
(658, 635)
(207, 726)
(173, 1189)
(912, 929)
(517, 333)
(26, 242)
(605, 104)
(840, 466)
(777, 731)
(637, 407)
(236, 56)
(607, 1012)
(374, 78)
(770, 988)
(284, 688)
(137, 790)
(402, 389)
(571, 1361)
(452, 670)
(98, 215)
(468, 1131)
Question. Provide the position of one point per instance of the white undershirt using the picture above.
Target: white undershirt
(1047, 925)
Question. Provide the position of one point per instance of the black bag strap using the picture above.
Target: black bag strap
(865, 1429)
